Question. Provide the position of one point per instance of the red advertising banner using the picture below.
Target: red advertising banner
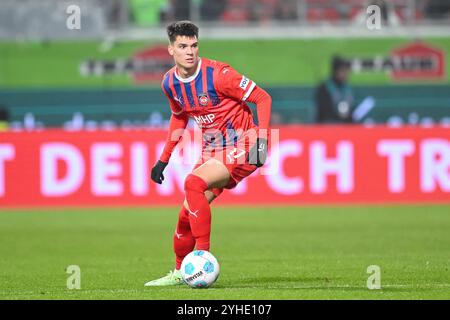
(308, 165)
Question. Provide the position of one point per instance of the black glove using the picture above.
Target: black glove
(258, 153)
(157, 172)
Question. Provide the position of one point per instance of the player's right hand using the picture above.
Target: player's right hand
(157, 172)
(258, 154)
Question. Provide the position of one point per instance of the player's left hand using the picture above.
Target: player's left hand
(258, 153)
(157, 172)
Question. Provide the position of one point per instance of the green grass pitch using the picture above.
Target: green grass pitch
(265, 253)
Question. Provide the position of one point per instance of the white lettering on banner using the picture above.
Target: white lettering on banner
(341, 166)
(139, 169)
(396, 151)
(7, 153)
(280, 183)
(51, 153)
(415, 164)
(435, 165)
(105, 164)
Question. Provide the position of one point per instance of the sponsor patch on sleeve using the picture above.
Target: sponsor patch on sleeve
(244, 83)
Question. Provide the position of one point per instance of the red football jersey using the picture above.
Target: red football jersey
(215, 98)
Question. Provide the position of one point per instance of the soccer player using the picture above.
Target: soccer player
(214, 95)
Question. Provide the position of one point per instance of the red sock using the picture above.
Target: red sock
(183, 241)
(199, 211)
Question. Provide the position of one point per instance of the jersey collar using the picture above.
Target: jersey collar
(186, 80)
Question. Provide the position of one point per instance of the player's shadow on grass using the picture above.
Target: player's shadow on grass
(287, 279)
(304, 283)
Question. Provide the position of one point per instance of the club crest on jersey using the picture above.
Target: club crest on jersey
(203, 99)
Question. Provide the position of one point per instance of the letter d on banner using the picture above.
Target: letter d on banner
(51, 184)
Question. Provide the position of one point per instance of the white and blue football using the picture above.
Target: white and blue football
(200, 269)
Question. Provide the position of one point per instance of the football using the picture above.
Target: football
(200, 269)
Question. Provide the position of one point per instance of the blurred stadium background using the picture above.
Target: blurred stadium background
(82, 120)
(286, 45)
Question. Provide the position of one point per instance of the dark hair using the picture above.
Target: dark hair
(338, 63)
(181, 28)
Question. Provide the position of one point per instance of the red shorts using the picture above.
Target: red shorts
(235, 159)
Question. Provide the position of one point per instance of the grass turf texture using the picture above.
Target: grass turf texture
(269, 62)
(265, 253)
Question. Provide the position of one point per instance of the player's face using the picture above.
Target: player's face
(184, 50)
(342, 75)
